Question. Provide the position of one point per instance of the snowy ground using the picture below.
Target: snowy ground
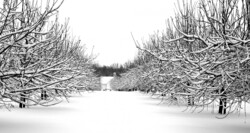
(117, 112)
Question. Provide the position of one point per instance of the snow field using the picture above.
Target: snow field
(117, 112)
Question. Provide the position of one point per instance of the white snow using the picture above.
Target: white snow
(117, 112)
(105, 82)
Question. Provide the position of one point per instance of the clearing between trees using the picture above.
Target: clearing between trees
(113, 112)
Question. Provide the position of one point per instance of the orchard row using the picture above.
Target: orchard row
(202, 57)
(40, 63)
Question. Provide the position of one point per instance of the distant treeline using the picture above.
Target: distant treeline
(117, 68)
(108, 70)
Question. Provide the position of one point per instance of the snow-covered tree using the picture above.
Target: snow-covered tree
(203, 56)
(38, 59)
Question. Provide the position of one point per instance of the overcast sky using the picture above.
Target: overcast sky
(107, 24)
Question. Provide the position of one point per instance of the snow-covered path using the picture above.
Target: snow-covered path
(116, 112)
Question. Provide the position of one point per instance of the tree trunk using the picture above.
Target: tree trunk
(223, 98)
(190, 100)
(222, 105)
(223, 102)
(22, 99)
(44, 95)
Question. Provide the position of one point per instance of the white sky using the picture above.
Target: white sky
(107, 24)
